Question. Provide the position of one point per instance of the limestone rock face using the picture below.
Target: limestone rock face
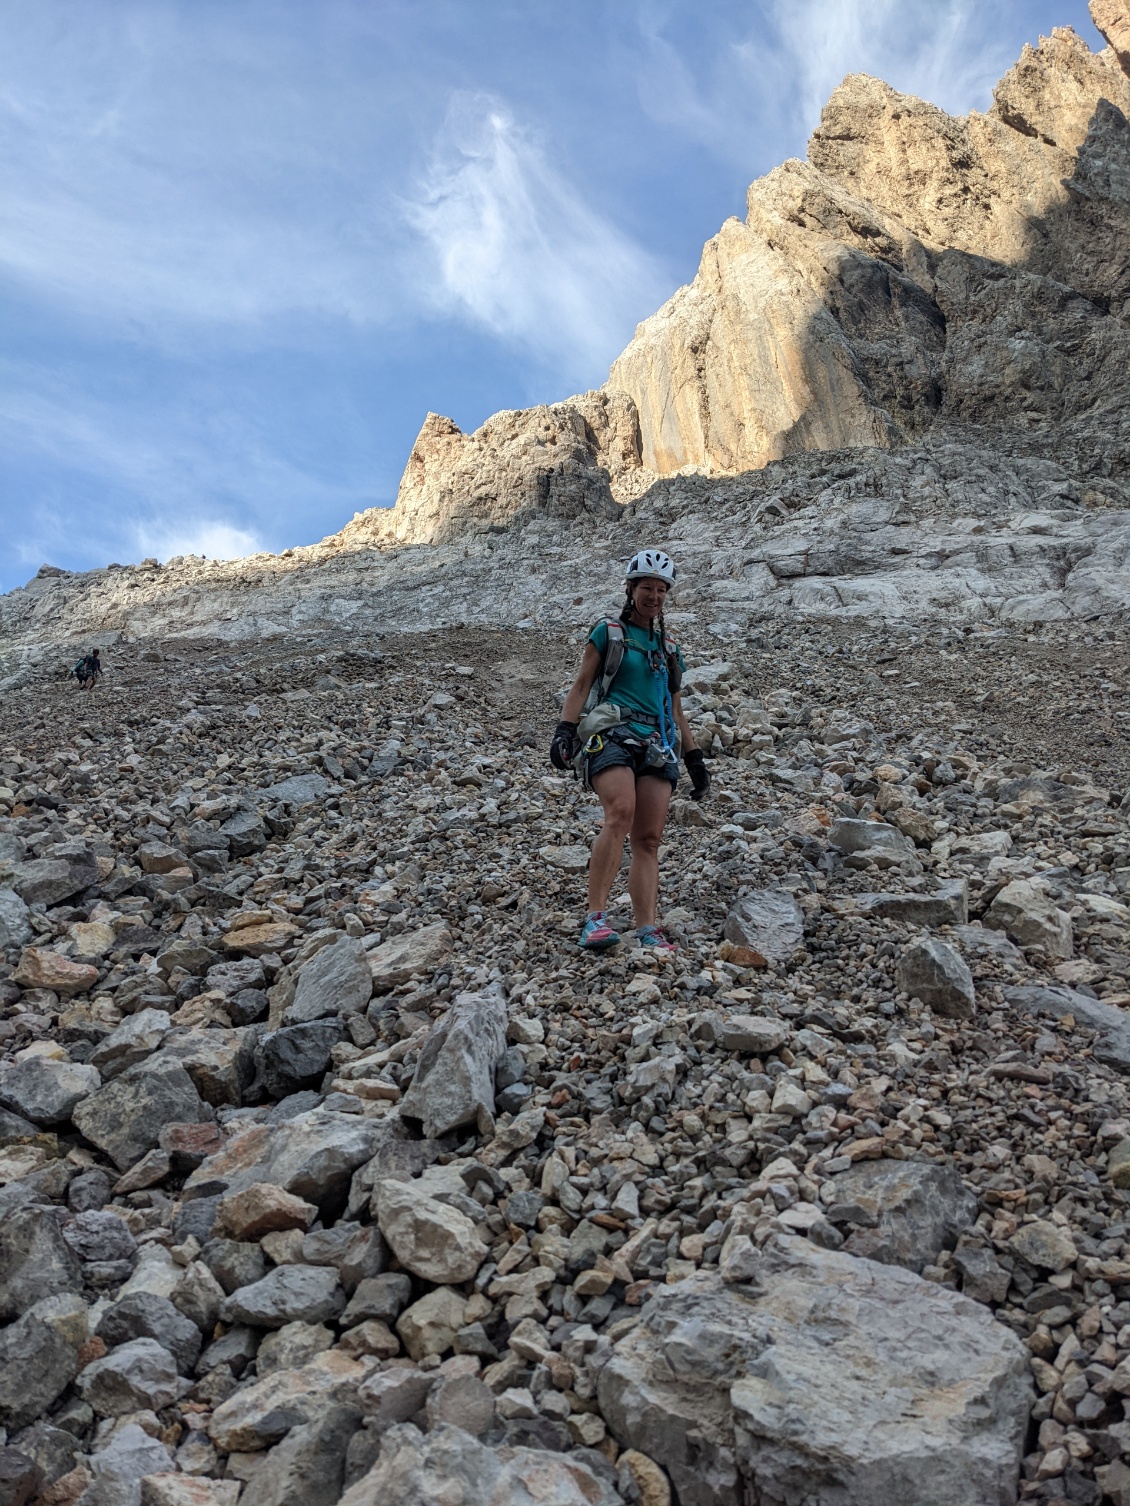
(551, 461)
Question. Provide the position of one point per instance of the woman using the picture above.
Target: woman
(629, 745)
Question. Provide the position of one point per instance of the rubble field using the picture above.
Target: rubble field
(332, 1170)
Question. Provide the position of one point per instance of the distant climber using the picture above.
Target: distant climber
(622, 721)
(88, 670)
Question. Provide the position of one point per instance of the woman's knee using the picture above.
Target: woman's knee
(646, 843)
(619, 815)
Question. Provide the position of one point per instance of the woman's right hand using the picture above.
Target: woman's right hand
(563, 748)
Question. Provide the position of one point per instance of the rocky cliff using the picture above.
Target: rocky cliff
(898, 388)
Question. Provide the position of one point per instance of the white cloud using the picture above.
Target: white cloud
(213, 539)
(517, 250)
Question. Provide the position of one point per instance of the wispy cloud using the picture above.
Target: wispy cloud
(940, 50)
(757, 94)
(516, 249)
(213, 539)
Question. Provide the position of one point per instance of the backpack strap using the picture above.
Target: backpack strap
(613, 655)
(674, 672)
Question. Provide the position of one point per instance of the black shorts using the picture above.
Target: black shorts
(623, 750)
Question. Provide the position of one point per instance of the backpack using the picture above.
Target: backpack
(79, 671)
(610, 664)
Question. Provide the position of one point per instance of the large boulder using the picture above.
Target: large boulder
(428, 1237)
(336, 981)
(313, 1155)
(46, 1091)
(871, 841)
(39, 1357)
(1025, 910)
(454, 1080)
(930, 970)
(35, 1261)
(450, 1465)
(424, 951)
(125, 1118)
(297, 1056)
(947, 906)
(15, 922)
(908, 1210)
(769, 921)
(824, 1380)
(288, 1294)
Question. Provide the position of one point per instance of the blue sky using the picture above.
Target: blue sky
(245, 245)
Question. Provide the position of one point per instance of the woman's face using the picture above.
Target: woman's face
(649, 596)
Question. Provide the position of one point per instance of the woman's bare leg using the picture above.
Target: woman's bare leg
(616, 790)
(653, 798)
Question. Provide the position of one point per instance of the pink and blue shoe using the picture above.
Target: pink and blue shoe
(596, 933)
(656, 937)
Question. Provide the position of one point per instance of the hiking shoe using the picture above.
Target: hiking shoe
(596, 933)
(655, 936)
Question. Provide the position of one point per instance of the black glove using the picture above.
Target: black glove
(563, 748)
(695, 761)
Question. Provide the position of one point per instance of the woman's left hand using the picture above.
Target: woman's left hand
(695, 761)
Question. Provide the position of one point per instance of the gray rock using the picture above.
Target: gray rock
(140, 1374)
(1112, 1046)
(313, 1155)
(46, 1091)
(135, 1039)
(50, 880)
(384, 1297)
(769, 921)
(20, 1477)
(424, 952)
(53, 1449)
(448, 1464)
(247, 1006)
(988, 945)
(198, 1295)
(221, 1063)
(235, 1349)
(1025, 910)
(982, 1277)
(291, 1346)
(297, 1056)
(245, 833)
(453, 1083)
(883, 845)
(14, 1129)
(464, 1401)
(336, 981)
(232, 977)
(288, 1294)
(308, 1465)
(755, 1033)
(781, 1389)
(100, 1235)
(34, 1259)
(947, 906)
(120, 1467)
(126, 1116)
(90, 1189)
(299, 789)
(932, 971)
(39, 1358)
(144, 1315)
(430, 1238)
(912, 1209)
(365, 1255)
(234, 1262)
(15, 925)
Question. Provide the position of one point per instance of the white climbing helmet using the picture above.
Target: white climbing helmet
(651, 564)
